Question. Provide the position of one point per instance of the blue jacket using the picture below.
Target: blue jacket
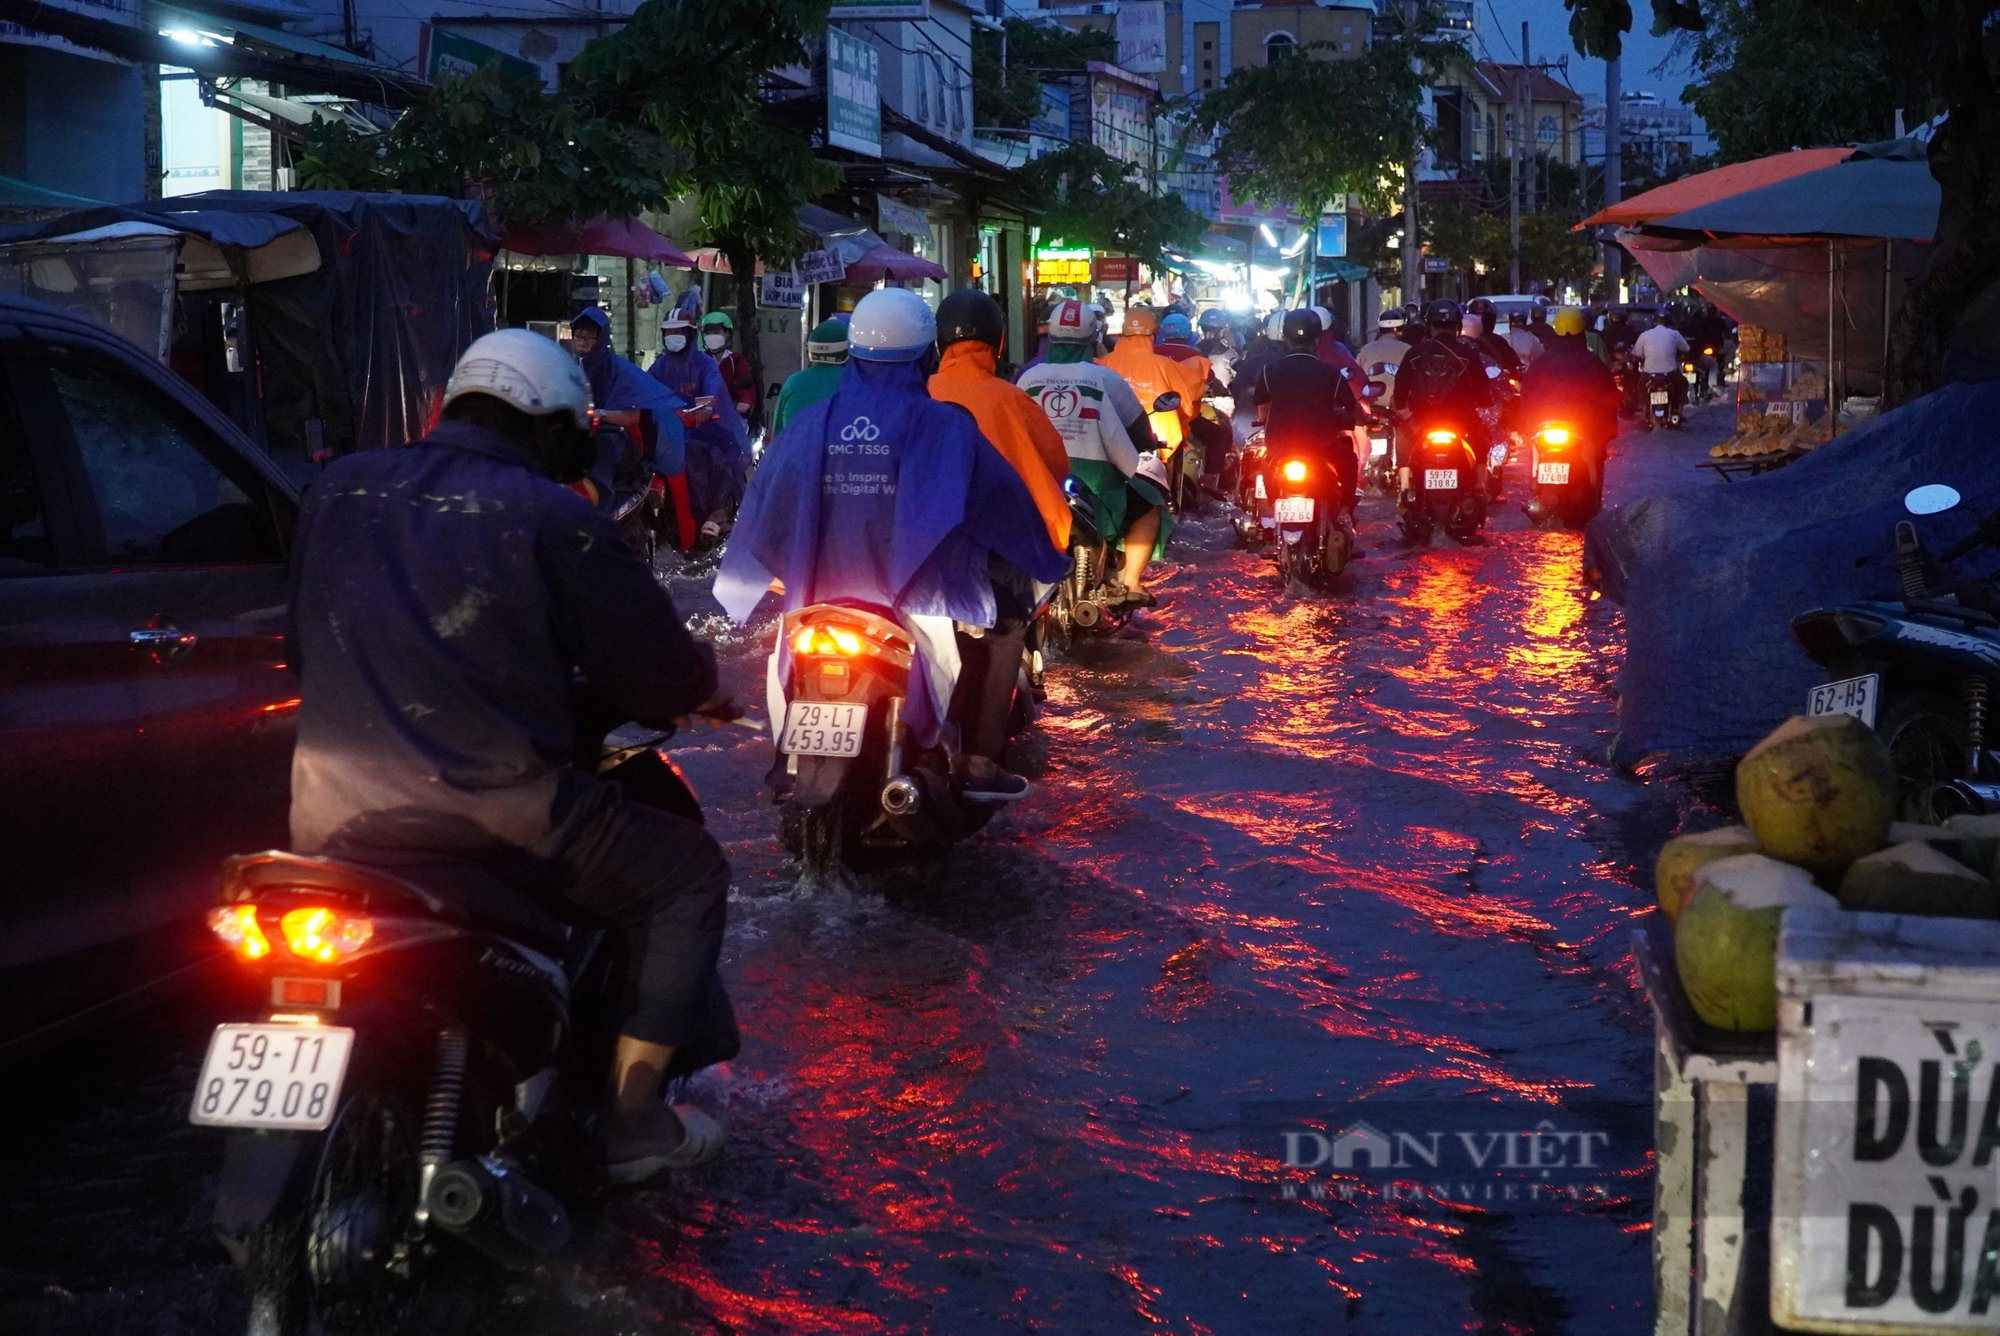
(617, 384)
(691, 374)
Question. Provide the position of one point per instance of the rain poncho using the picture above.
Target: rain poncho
(866, 497)
(719, 449)
(1014, 424)
(1151, 374)
(616, 385)
(802, 389)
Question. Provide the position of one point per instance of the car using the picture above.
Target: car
(1516, 305)
(146, 711)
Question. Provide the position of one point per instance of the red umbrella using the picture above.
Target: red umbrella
(628, 238)
(1691, 192)
(887, 264)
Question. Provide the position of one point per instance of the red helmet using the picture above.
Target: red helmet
(1073, 322)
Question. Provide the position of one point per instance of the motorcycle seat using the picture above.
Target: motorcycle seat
(400, 884)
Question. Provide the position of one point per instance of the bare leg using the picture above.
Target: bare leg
(638, 1068)
(1139, 540)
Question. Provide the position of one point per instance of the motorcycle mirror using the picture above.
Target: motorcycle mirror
(1167, 402)
(1492, 373)
(1931, 499)
(1371, 391)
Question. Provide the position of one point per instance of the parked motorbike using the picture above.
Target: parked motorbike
(861, 790)
(422, 1083)
(1661, 410)
(1922, 670)
(1442, 488)
(1315, 541)
(1569, 486)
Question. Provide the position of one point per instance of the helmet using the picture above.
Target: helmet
(1393, 318)
(1176, 328)
(1488, 313)
(970, 315)
(890, 325)
(1213, 320)
(1274, 328)
(1325, 316)
(721, 318)
(1471, 327)
(1302, 328)
(1074, 322)
(1568, 320)
(530, 372)
(1443, 314)
(1152, 468)
(676, 321)
(827, 344)
(1143, 321)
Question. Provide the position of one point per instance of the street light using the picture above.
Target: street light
(1270, 237)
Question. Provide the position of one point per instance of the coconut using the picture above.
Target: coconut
(1980, 832)
(1726, 943)
(1819, 792)
(1683, 858)
(1916, 878)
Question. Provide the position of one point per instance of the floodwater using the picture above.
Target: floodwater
(1359, 853)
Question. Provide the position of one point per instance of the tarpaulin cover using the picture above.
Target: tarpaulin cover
(1862, 197)
(1710, 577)
(1718, 183)
(232, 230)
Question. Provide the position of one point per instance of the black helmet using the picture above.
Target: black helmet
(1301, 328)
(970, 314)
(1488, 313)
(1444, 314)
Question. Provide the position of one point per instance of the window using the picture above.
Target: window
(1207, 65)
(1492, 137)
(1278, 46)
(1545, 129)
(160, 494)
(24, 530)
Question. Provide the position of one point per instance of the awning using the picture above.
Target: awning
(1881, 198)
(18, 194)
(887, 264)
(602, 235)
(1332, 269)
(216, 249)
(1703, 187)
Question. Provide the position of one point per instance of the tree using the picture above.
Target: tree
(1094, 199)
(1008, 66)
(1780, 74)
(1941, 55)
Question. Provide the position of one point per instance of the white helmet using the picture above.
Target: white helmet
(1274, 328)
(1325, 317)
(1152, 468)
(890, 325)
(1074, 322)
(1471, 327)
(531, 372)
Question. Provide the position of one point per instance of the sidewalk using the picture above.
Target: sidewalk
(1654, 463)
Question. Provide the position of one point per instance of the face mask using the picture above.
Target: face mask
(714, 342)
(677, 343)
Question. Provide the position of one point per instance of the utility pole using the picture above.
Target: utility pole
(1516, 113)
(1413, 255)
(1614, 162)
(1530, 133)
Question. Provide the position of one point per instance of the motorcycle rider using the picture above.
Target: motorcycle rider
(1103, 426)
(718, 329)
(1568, 384)
(1152, 374)
(653, 416)
(1386, 350)
(1492, 344)
(1538, 325)
(1660, 351)
(826, 354)
(1216, 343)
(1442, 383)
(1310, 408)
(884, 497)
(436, 646)
(719, 449)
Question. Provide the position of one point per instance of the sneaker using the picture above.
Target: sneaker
(680, 1138)
(1000, 786)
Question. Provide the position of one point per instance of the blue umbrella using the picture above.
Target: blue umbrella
(1882, 191)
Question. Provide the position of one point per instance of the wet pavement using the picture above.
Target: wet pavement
(1359, 853)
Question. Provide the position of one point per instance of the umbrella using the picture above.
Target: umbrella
(1704, 187)
(887, 264)
(602, 235)
(1893, 198)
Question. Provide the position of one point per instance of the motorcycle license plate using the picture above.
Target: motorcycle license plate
(1850, 695)
(1555, 475)
(1378, 446)
(272, 1077)
(1261, 495)
(1440, 480)
(1659, 396)
(815, 728)
(1293, 509)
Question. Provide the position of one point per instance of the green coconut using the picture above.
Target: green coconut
(1684, 856)
(1726, 943)
(1917, 878)
(1819, 792)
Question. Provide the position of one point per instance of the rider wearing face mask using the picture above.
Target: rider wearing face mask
(717, 330)
(718, 451)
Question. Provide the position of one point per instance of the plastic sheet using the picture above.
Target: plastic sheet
(1710, 577)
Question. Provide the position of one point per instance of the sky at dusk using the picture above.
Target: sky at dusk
(1548, 33)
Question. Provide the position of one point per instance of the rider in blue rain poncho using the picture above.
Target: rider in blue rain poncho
(719, 449)
(620, 390)
(883, 496)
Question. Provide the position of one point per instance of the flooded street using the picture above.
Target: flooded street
(1359, 849)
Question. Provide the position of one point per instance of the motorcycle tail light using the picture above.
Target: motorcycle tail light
(323, 935)
(1441, 437)
(1555, 436)
(1708, 352)
(1687, 366)
(827, 640)
(238, 929)
(1295, 470)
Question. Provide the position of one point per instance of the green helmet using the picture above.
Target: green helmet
(827, 344)
(721, 318)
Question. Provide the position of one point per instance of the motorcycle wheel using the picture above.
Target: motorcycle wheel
(1335, 546)
(1925, 734)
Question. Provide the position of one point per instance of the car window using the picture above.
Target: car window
(168, 490)
(24, 529)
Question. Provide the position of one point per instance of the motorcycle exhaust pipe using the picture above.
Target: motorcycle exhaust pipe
(1961, 797)
(498, 1210)
(901, 797)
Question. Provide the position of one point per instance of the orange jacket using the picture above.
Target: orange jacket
(1014, 423)
(1151, 375)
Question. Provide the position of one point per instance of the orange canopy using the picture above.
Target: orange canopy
(1691, 192)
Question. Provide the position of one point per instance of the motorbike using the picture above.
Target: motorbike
(1079, 603)
(420, 1088)
(1698, 389)
(862, 792)
(1661, 410)
(1569, 487)
(1381, 471)
(1252, 491)
(1441, 488)
(1920, 670)
(1315, 540)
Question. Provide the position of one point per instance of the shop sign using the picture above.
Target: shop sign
(442, 53)
(900, 217)
(783, 290)
(1142, 36)
(1332, 239)
(1436, 264)
(1886, 1215)
(1062, 265)
(821, 266)
(1118, 269)
(853, 94)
